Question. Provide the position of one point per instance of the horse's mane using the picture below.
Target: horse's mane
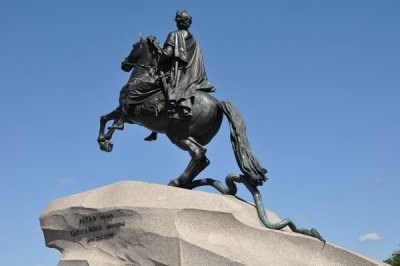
(156, 45)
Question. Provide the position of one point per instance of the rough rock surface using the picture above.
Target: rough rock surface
(132, 223)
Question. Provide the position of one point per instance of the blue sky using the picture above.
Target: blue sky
(317, 83)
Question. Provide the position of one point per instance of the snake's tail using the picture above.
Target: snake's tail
(264, 219)
(231, 189)
(316, 234)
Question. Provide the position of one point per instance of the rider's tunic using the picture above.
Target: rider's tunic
(187, 72)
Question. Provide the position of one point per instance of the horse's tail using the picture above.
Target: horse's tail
(245, 158)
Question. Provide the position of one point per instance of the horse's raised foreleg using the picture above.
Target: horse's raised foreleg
(104, 138)
(103, 121)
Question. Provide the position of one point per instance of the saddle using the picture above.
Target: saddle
(152, 106)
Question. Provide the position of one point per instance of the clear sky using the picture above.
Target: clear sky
(317, 82)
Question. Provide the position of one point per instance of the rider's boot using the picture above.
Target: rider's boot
(151, 137)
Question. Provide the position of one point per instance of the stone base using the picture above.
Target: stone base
(132, 223)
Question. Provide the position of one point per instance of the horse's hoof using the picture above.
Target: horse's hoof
(106, 146)
(174, 183)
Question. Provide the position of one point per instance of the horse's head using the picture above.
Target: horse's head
(145, 53)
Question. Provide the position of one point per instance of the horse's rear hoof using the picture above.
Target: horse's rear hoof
(174, 183)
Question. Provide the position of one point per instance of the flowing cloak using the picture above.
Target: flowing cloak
(191, 74)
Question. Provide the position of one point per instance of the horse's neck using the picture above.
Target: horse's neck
(141, 70)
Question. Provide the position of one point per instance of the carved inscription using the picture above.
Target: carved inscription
(97, 227)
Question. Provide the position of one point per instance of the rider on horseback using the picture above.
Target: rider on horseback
(181, 57)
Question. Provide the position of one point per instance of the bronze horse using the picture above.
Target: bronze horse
(207, 115)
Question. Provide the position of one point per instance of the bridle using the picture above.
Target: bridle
(155, 55)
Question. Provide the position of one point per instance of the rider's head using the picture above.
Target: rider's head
(183, 19)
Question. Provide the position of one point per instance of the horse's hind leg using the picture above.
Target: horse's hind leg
(197, 163)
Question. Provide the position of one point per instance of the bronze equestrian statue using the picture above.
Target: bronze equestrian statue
(168, 92)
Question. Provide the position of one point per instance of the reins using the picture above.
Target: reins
(147, 67)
